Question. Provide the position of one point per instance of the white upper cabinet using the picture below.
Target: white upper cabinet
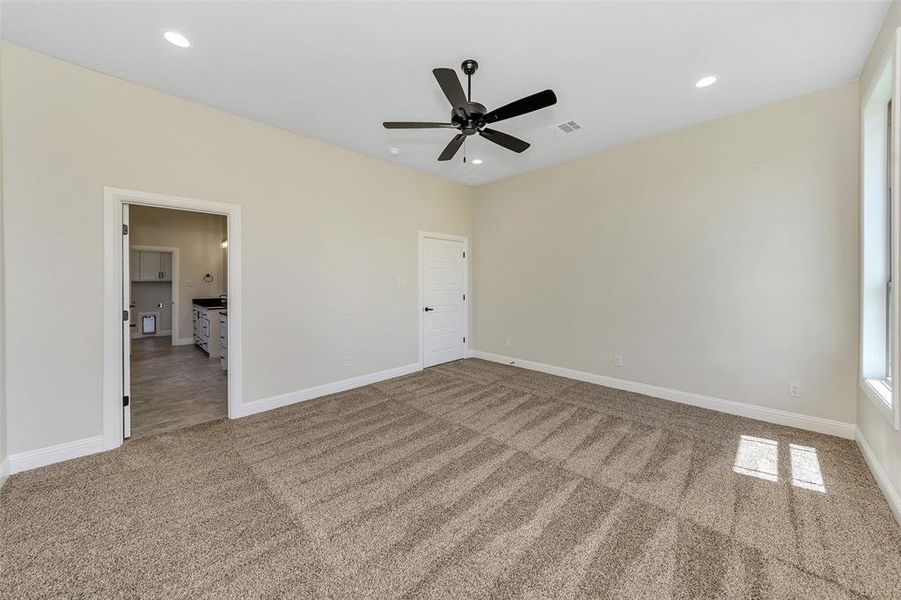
(149, 265)
(134, 269)
(166, 266)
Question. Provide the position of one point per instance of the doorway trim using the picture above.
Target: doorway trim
(113, 200)
(467, 352)
(175, 288)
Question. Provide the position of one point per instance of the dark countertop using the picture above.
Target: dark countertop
(209, 302)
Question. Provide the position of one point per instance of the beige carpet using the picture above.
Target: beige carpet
(467, 480)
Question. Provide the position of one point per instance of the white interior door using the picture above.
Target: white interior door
(443, 294)
(126, 327)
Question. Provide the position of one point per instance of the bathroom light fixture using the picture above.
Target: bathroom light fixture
(176, 39)
(476, 161)
(705, 81)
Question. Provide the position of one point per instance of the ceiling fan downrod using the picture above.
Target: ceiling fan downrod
(469, 67)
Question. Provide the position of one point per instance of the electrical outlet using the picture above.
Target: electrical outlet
(509, 343)
(347, 361)
(617, 360)
(401, 282)
(794, 389)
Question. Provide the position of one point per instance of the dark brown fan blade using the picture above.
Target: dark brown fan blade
(452, 147)
(503, 139)
(415, 125)
(522, 106)
(450, 85)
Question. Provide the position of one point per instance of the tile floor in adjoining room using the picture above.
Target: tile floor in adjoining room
(173, 387)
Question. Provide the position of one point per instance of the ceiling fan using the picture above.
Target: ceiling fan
(471, 118)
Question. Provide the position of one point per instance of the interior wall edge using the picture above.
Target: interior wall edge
(882, 479)
(840, 429)
(4, 470)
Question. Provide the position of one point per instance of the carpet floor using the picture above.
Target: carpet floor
(466, 480)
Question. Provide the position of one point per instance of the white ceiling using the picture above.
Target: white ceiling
(335, 70)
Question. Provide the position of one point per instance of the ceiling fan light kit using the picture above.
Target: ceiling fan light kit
(472, 118)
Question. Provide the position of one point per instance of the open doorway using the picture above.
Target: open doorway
(175, 285)
(117, 203)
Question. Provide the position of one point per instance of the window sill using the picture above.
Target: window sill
(880, 394)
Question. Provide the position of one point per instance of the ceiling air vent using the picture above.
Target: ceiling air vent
(565, 127)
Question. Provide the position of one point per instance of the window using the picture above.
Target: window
(879, 244)
(889, 255)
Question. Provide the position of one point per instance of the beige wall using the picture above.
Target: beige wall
(719, 260)
(198, 237)
(875, 428)
(326, 234)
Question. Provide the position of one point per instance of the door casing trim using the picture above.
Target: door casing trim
(113, 199)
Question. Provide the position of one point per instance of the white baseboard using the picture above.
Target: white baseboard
(4, 470)
(264, 404)
(183, 341)
(137, 335)
(32, 459)
(761, 413)
(885, 484)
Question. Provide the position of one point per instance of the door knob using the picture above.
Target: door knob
(428, 308)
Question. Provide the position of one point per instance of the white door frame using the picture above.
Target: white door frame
(454, 238)
(176, 283)
(113, 199)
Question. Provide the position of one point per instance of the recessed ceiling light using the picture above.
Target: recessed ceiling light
(705, 81)
(393, 151)
(477, 161)
(177, 39)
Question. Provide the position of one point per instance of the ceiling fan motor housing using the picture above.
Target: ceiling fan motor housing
(469, 117)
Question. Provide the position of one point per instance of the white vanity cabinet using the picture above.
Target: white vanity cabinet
(206, 329)
(223, 340)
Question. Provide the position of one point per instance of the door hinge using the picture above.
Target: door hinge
(464, 254)
(124, 315)
(125, 400)
(124, 229)
(464, 296)
(464, 339)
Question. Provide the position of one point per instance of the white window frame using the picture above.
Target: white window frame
(878, 266)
